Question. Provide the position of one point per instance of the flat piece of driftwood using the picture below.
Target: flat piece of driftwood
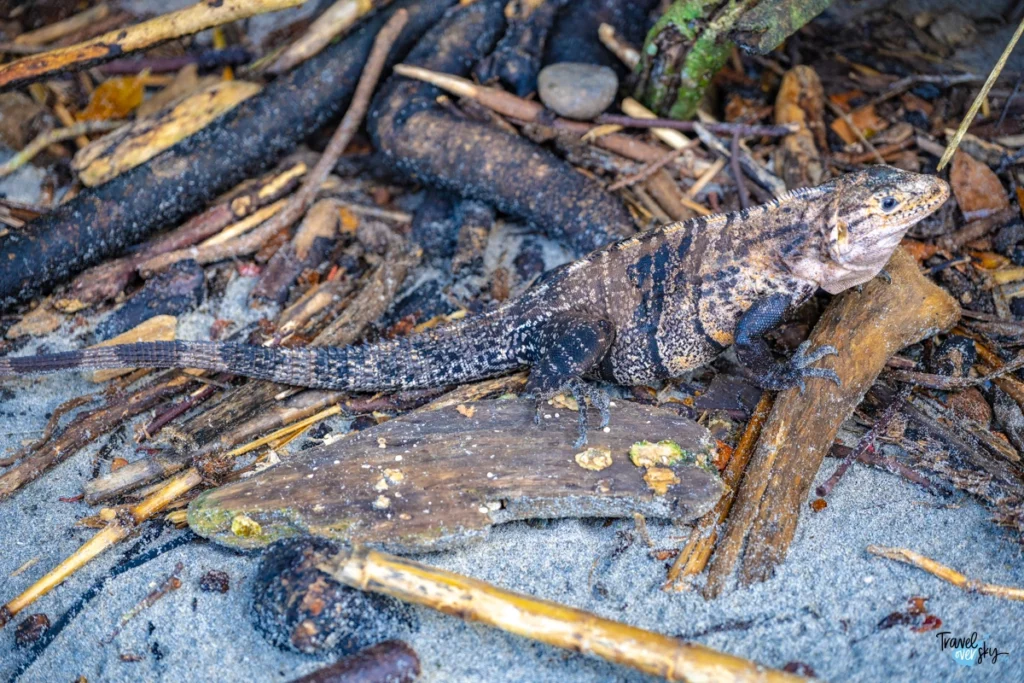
(437, 479)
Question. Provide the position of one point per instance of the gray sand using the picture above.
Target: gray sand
(822, 608)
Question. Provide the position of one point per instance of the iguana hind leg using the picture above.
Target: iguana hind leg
(569, 349)
(754, 353)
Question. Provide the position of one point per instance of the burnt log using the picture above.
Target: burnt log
(104, 221)
(574, 36)
(481, 161)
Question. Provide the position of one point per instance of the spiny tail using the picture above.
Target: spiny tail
(462, 353)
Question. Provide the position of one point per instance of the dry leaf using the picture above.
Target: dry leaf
(800, 101)
(465, 410)
(865, 118)
(349, 221)
(114, 98)
(919, 250)
(914, 103)
(977, 188)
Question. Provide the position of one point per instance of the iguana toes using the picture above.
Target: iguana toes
(646, 308)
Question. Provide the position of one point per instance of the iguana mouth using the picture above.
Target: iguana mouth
(933, 202)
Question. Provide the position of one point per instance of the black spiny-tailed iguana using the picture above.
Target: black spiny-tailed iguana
(646, 308)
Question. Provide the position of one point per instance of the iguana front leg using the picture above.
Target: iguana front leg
(568, 349)
(754, 353)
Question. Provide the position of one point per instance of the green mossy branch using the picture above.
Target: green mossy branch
(693, 39)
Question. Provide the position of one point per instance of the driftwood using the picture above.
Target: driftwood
(147, 136)
(441, 478)
(866, 328)
(104, 220)
(479, 160)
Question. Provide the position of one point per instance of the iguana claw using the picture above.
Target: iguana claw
(792, 373)
(581, 391)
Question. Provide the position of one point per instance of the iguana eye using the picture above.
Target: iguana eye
(889, 204)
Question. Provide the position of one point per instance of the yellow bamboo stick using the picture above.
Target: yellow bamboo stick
(116, 531)
(545, 621)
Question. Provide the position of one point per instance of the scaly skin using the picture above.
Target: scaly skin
(646, 308)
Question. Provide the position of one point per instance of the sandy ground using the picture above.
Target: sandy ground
(823, 608)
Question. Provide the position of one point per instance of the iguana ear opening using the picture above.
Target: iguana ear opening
(838, 232)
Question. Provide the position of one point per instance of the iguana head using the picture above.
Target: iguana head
(865, 215)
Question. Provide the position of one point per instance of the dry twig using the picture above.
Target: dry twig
(946, 573)
(745, 130)
(982, 95)
(693, 558)
(44, 140)
(120, 42)
(59, 29)
(301, 200)
(336, 19)
(120, 528)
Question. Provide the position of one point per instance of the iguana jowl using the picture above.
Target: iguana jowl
(646, 308)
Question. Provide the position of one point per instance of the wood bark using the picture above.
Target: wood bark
(441, 478)
(866, 328)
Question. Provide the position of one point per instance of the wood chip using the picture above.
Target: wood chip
(157, 328)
